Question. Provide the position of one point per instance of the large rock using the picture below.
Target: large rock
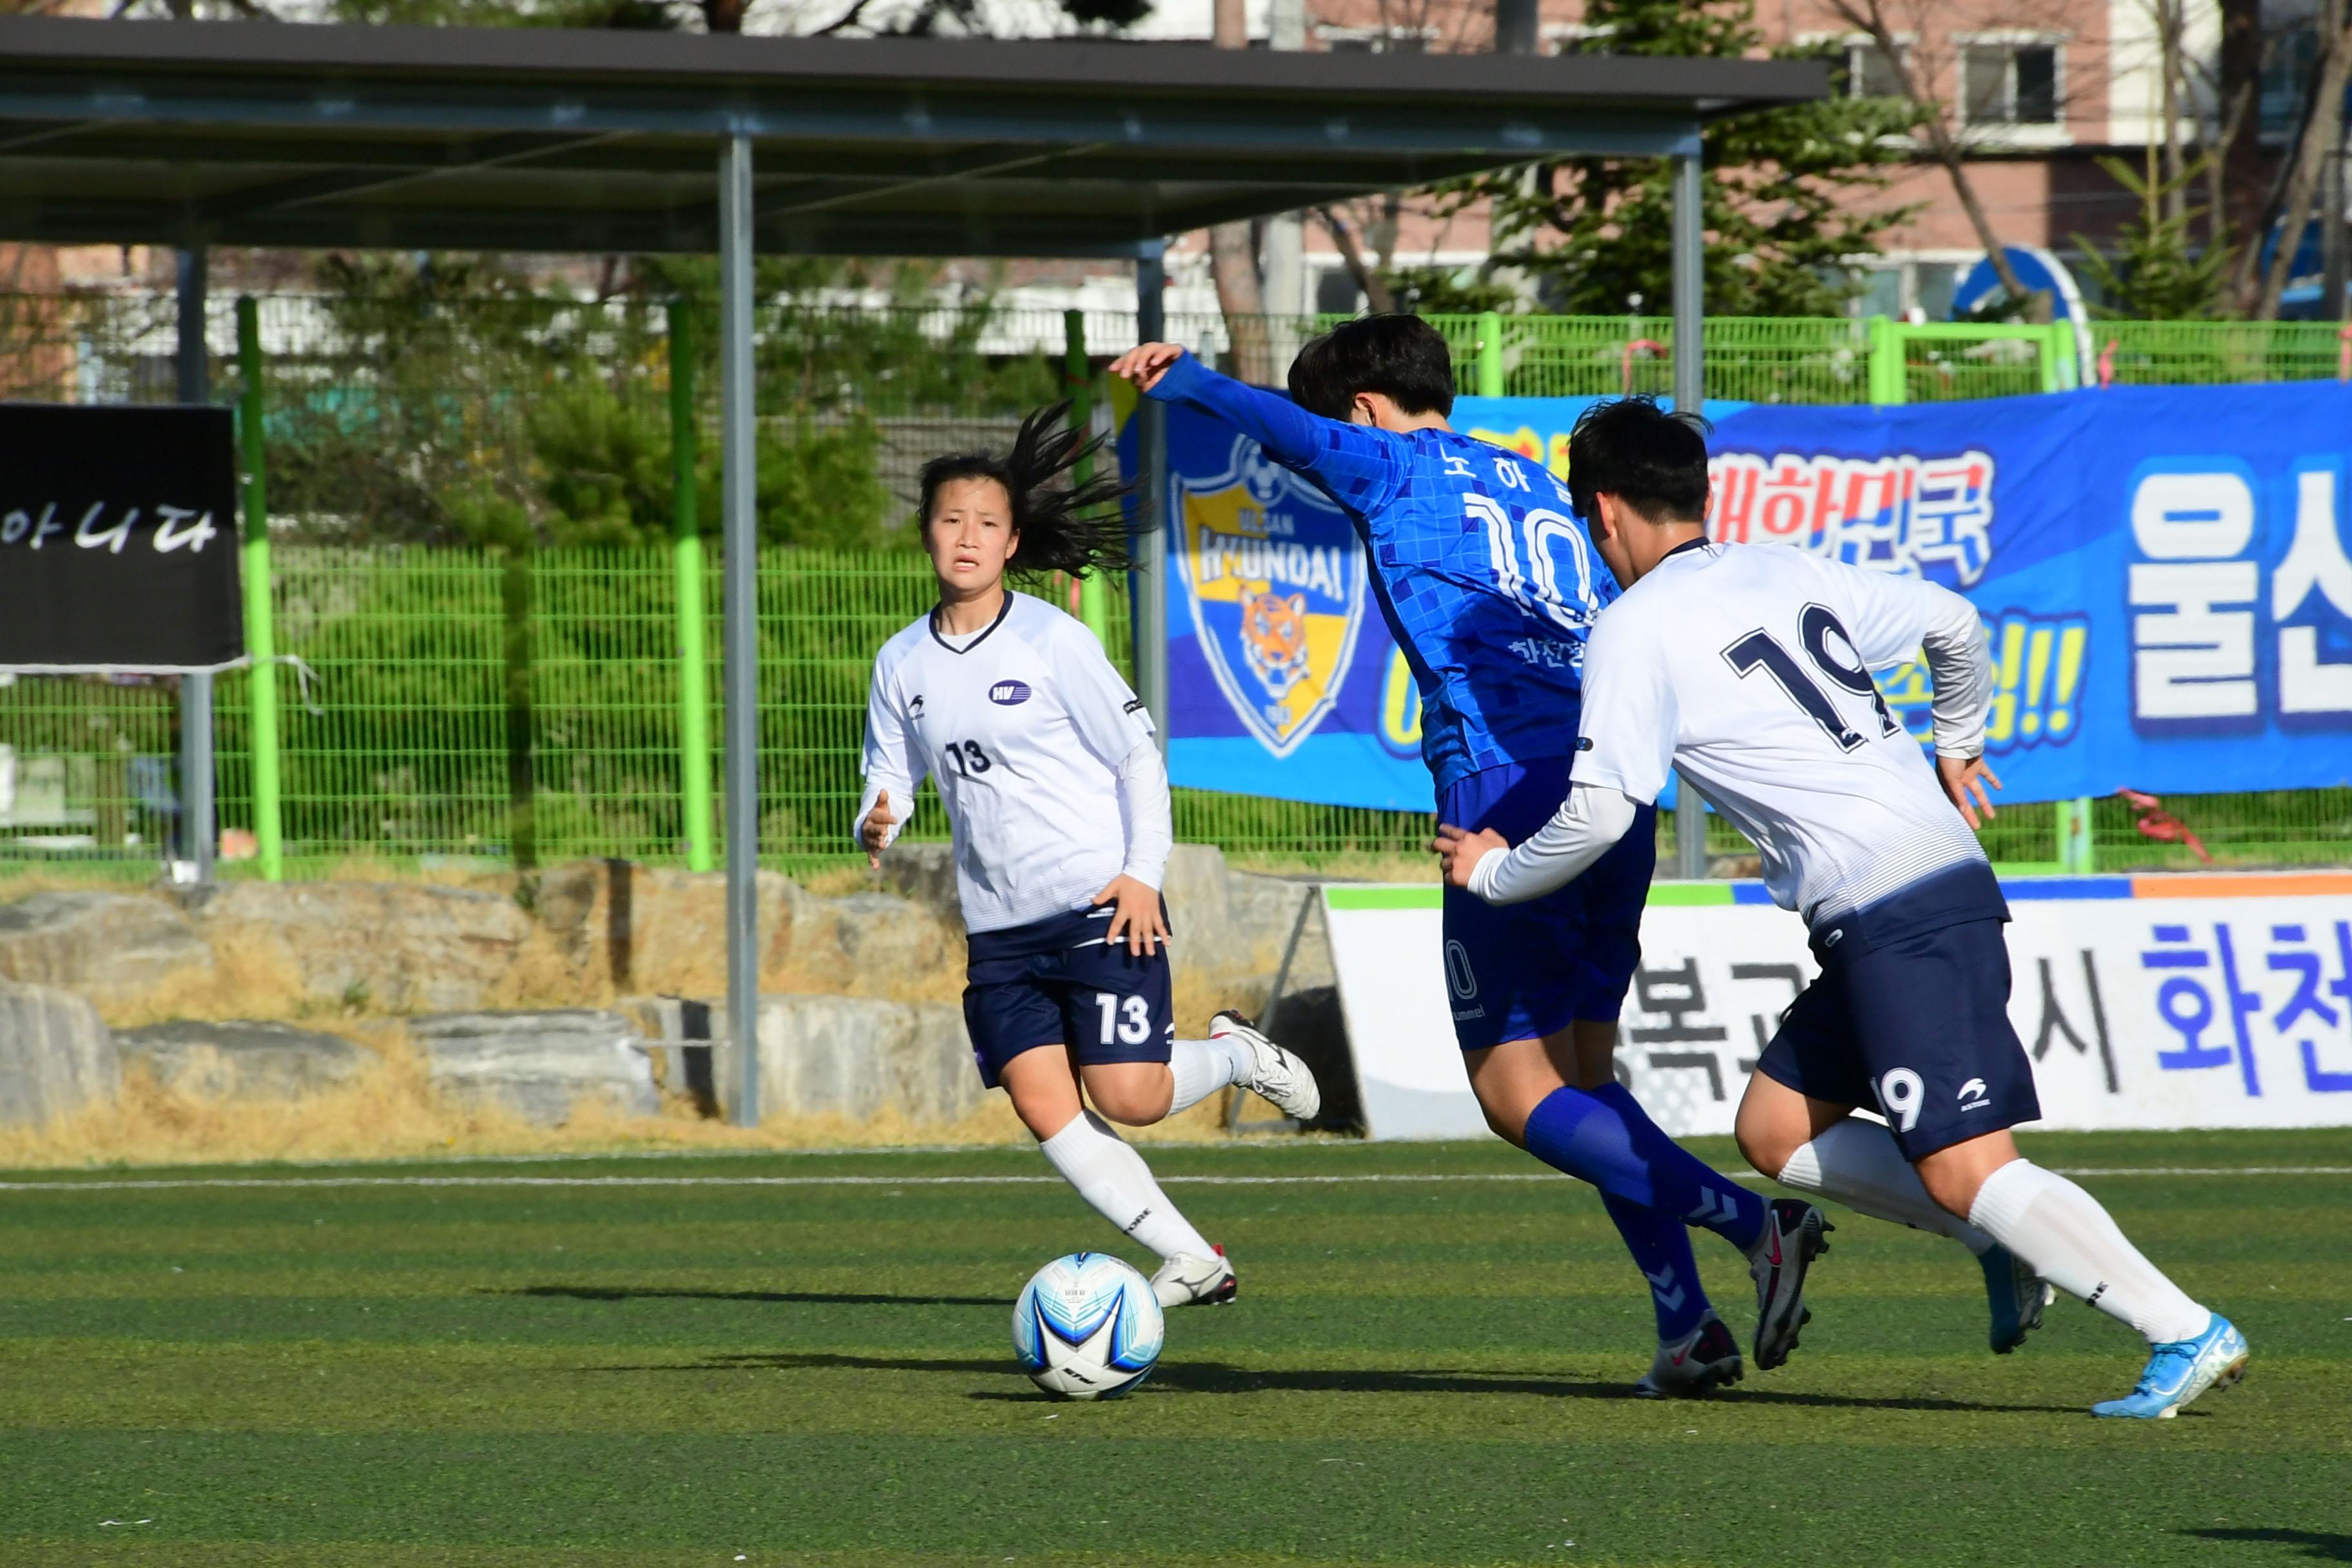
(55, 1057)
(537, 1064)
(99, 943)
(860, 1057)
(868, 943)
(1228, 922)
(393, 947)
(243, 1060)
(643, 928)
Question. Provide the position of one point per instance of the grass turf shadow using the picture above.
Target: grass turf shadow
(2325, 1548)
(778, 1298)
(1217, 1377)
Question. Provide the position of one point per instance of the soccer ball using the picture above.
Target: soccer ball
(1088, 1327)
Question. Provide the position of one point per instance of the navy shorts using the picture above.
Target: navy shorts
(1520, 970)
(1916, 1026)
(1054, 982)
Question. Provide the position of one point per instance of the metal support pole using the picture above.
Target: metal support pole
(198, 832)
(693, 645)
(1151, 495)
(739, 536)
(1690, 314)
(1079, 382)
(260, 617)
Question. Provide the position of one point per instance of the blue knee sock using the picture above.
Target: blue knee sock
(1605, 1138)
(1662, 1250)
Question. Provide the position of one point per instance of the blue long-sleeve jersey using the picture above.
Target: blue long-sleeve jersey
(1487, 579)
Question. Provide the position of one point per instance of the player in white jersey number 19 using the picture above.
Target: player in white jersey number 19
(1747, 670)
(1058, 798)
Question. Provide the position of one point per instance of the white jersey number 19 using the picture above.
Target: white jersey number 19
(1760, 650)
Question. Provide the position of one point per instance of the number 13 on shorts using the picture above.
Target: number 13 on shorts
(1126, 1020)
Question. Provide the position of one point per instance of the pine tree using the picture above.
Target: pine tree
(1786, 214)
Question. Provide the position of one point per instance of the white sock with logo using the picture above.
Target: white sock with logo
(1202, 1067)
(1113, 1179)
(1858, 1164)
(2069, 1238)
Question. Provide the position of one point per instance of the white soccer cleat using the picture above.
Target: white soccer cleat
(1778, 1263)
(1195, 1281)
(1699, 1363)
(1279, 1076)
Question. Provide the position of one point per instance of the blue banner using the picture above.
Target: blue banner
(2163, 572)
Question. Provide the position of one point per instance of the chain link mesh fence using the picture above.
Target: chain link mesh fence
(471, 495)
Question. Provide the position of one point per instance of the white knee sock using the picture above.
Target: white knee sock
(1115, 1180)
(1857, 1164)
(2071, 1241)
(1203, 1066)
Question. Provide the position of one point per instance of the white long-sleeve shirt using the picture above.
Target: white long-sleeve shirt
(1043, 756)
(1747, 670)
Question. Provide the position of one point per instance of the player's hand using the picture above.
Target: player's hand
(1137, 915)
(1962, 777)
(1459, 852)
(875, 831)
(1146, 365)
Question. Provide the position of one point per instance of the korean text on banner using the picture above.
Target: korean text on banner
(2162, 573)
(117, 538)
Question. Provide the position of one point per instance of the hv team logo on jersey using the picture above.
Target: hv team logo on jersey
(1276, 582)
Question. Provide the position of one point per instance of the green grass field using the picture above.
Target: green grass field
(816, 1370)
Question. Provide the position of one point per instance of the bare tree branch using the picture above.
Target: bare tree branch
(1870, 16)
(1351, 251)
(2323, 129)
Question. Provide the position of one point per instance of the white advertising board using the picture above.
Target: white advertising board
(2149, 1002)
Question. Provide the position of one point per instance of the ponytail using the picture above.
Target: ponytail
(1063, 526)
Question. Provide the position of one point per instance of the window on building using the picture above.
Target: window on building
(1869, 73)
(2008, 84)
(1376, 40)
(2287, 75)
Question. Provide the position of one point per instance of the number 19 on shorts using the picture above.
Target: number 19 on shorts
(1126, 1020)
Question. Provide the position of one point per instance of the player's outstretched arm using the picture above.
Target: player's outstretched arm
(1587, 823)
(1355, 462)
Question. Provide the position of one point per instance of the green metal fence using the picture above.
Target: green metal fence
(458, 699)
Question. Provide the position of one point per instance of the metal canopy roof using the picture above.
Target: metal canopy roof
(252, 134)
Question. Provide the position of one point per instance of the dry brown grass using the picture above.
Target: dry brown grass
(394, 1113)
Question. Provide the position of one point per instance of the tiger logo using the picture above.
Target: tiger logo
(1274, 640)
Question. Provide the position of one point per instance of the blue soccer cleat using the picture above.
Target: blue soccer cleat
(2179, 1372)
(2016, 1294)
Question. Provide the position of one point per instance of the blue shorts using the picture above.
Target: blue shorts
(1520, 970)
(1914, 1023)
(1054, 982)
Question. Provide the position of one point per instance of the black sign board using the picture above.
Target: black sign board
(118, 537)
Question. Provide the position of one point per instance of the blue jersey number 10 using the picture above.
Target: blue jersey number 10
(1528, 562)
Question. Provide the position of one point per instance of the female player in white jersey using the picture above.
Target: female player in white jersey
(1746, 668)
(1058, 801)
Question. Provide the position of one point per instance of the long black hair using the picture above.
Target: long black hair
(1065, 526)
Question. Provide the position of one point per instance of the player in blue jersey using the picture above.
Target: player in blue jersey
(1489, 583)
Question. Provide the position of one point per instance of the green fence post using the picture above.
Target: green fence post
(260, 633)
(2076, 851)
(522, 787)
(2048, 354)
(693, 652)
(1079, 382)
(1887, 386)
(1490, 353)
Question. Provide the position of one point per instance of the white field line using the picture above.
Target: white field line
(174, 1183)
